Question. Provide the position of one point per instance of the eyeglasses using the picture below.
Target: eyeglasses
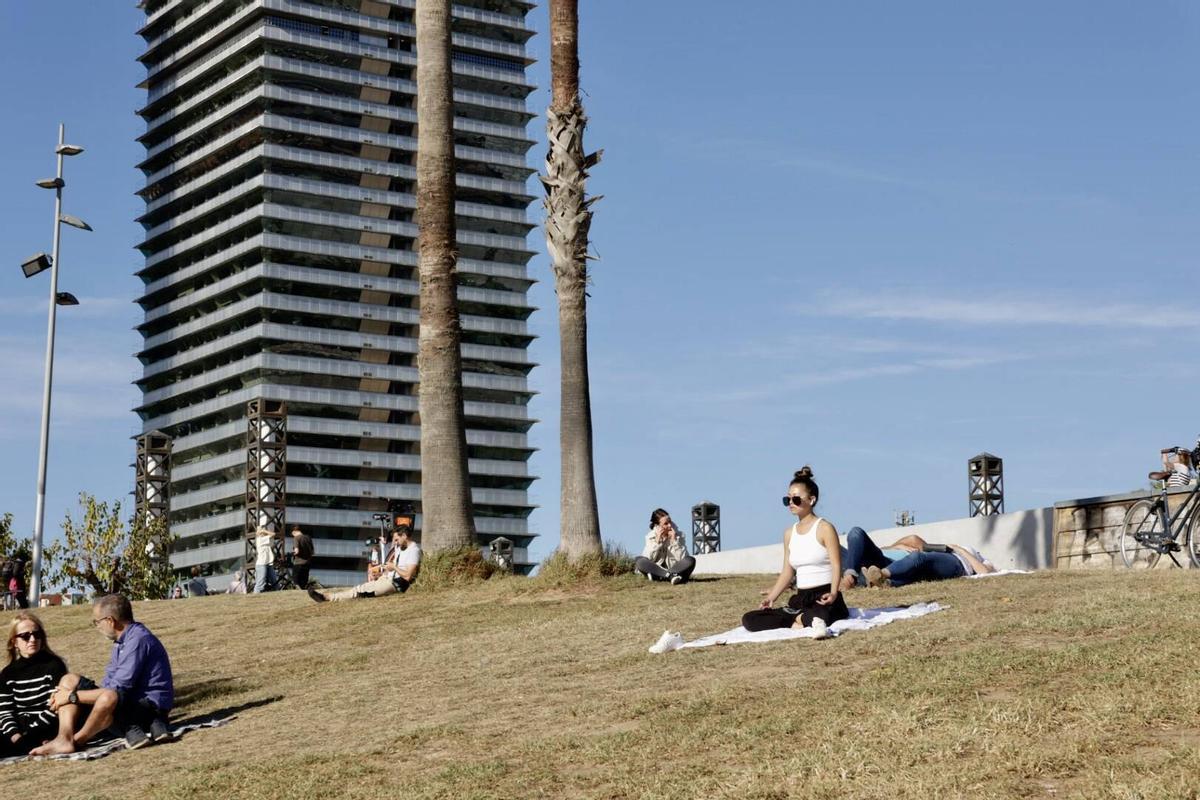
(96, 622)
(793, 500)
(31, 635)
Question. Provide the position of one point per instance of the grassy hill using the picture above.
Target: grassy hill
(1052, 685)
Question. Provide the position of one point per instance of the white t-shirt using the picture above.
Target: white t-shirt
(409, 556)
(967, 570)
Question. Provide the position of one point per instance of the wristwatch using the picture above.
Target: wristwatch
(73, 698)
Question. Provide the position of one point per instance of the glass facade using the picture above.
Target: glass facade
(280, 262)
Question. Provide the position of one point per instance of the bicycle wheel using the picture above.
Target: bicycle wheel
(1142, 522)
(1192, 539)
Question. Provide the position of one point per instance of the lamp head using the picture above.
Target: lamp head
(39, 262)
(66, 299)
(75, 222)
(52, 183)
(68, 149)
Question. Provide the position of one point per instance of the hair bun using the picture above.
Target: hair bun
(803, 473)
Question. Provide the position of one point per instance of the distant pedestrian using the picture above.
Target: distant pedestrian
(17, 584)
(238, 584)
(197, 586)
(302, 553)
(264, 560)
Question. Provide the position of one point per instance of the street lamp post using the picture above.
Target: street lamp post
(33, 266)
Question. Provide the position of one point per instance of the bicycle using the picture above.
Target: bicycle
(1150, 529)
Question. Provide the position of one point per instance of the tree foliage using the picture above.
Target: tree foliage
(104, 555)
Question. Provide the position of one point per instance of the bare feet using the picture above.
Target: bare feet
(876, 577)
(54, 747)
(848, 582)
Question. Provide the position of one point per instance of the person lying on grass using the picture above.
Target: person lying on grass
(665, 557)
(26, 684)
(927, 563)
(860, 552)
(135, 696)
(399, 571)
(811, 560)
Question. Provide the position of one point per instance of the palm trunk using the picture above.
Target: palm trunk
(568, 218)
(447, 520)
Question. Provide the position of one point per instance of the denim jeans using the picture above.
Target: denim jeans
(263, 575)
(925, 567)
(862, 552)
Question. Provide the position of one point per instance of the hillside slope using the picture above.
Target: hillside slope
(1050, 685)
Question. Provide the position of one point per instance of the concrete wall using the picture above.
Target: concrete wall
(1087, 530)
(1018, 540)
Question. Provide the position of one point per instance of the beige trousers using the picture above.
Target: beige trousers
(379, 587)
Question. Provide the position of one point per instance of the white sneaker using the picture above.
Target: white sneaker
(819, 628)
(667, 642)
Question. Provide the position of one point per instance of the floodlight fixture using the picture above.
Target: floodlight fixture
(39, 262)
(68, 149)
(75, 222)
(52, 183)
(66, 299)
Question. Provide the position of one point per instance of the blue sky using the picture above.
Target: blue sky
(876, 238)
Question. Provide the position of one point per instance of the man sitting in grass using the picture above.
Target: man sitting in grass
(398, 571)
(137, 691)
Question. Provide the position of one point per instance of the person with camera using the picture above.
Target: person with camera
(264, 559)
(665, 557)
(397, 573)
(811, 559)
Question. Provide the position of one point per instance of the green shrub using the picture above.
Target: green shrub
(612, 561)
(448, 568)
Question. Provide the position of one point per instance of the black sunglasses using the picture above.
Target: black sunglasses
(793, 500)
(28, 635)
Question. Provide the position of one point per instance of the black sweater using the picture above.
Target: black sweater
(25, 688)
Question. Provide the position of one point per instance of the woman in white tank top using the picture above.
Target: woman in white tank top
(811, 558)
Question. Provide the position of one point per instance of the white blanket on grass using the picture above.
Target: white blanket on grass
(861, 619)
(1001, 572)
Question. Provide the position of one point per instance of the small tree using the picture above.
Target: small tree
(105, 556)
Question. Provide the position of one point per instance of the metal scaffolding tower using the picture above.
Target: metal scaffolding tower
(706, 528)
(152, 481)
(985, 476)
(266, 470)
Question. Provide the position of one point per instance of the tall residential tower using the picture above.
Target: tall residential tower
(280, 262)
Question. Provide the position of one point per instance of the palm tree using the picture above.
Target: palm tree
(447, 520)
(568, 218)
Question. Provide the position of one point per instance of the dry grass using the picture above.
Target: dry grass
(1067, 685)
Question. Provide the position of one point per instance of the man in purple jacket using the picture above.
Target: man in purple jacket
(137, 691)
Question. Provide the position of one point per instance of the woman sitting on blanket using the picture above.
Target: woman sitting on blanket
(26, 684)
(811, 558)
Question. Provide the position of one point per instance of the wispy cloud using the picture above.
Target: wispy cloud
(1011, 310)
(91, 383)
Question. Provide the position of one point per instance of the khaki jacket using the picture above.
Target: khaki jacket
(664, 553)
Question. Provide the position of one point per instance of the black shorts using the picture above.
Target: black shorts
(133, 710)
